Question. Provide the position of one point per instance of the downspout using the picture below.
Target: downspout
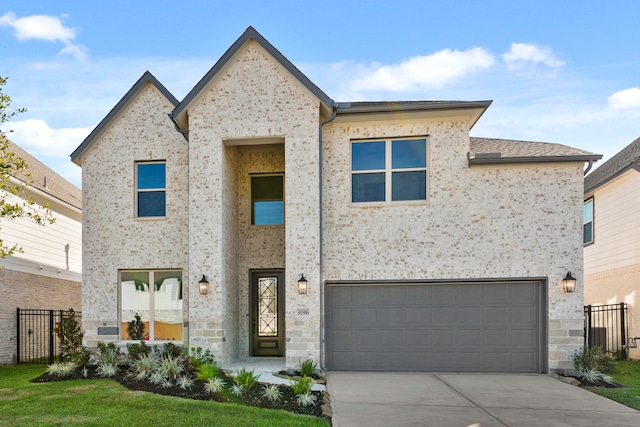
(586, 171)
(320, 261)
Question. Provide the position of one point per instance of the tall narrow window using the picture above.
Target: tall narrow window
(267, 200)
(151, 189)
(156, 297)
(389, 170)
(587, 222)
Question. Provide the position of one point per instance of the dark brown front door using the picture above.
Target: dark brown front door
(267, 313)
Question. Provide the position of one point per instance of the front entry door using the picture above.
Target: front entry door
(267, 313)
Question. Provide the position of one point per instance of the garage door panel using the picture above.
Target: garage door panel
(365, 317)
(418, 316)
(452, 327)
(339, 318)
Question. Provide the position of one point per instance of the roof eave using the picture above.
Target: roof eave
(533, 159)
(633, 166)
(349, 108)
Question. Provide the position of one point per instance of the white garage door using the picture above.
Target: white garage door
(440, 327)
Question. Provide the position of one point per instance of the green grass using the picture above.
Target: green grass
(107, 403)
(629, 375)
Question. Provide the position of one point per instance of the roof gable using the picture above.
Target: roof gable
(625, 159)
(147, 77)
(250, 33)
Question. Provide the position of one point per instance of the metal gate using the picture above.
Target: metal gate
(606, 326)
(37, 342)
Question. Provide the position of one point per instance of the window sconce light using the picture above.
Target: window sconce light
(302, 285)
(569, 283)
(204, 286)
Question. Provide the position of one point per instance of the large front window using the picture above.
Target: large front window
(156, 297)
(389, 170)
(150, 189)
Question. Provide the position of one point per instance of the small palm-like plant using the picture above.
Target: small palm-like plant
(207, 371)
(302, 385)
(62, 369)
(246, 378)
(214, 385)
(272, 393)
(107, 370)
(185, 382)
(237, 390)
(306, 399)
(171, 366)
(308, 368)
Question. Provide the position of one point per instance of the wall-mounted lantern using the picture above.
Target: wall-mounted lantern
(569, 283)
(302, 285)
(204, 286)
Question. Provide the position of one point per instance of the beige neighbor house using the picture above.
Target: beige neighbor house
(611, 236)
(421, 248)
(47, 275)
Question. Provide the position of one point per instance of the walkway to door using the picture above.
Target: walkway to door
(478, 400)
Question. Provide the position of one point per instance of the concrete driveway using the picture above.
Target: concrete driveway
(479, 400)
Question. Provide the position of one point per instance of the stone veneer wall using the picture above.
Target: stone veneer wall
(30, 291)
(113, 238)
(254, 97)
(478, 222)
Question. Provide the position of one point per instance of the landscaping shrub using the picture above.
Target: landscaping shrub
(593, 357)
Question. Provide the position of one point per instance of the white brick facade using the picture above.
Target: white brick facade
(255, 116)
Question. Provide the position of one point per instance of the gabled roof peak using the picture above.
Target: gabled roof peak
(147, 77)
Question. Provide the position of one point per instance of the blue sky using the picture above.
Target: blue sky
(557, 71)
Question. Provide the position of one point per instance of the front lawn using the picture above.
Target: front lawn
(628, 374)
(104, 402)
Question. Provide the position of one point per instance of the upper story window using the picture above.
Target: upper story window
(389, 170)
(587, 222)
(151, 189)
(267, 200)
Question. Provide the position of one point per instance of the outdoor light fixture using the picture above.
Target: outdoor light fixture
(569, 283)
(204, 286)
(302, 285)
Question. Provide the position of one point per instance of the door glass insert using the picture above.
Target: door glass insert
(267, 306)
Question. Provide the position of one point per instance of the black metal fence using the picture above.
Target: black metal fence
(606, 326)
(37, 341)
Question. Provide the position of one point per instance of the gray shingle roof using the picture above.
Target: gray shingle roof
(57, 186)
(494, 150)
(625, 159)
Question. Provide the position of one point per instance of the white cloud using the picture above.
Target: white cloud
(47, 28)
(427, 71)
(522, 56)
(36, 137)
(625, 99)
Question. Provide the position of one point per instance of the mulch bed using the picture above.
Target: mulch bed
(251, 397)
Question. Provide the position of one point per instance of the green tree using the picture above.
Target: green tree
(14, 178)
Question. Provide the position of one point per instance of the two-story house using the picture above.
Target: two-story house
(48, 272)
(259, 217)
(611, 251)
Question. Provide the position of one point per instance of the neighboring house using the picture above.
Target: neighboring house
(422, 248)
(48, 273)
(612, 235)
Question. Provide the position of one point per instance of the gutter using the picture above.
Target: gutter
(335, 107)
(495, 158)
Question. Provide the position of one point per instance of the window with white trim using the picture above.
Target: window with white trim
(151, 189)
(389, 170)
(587, 222)
(156, 297)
